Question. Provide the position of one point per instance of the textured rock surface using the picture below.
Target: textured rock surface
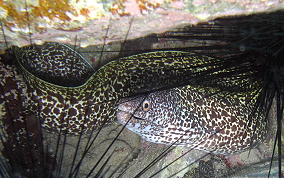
(99, 22)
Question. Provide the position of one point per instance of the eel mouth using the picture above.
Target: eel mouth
(123, 116)
(126, 109)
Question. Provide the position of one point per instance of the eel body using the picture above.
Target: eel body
(67, 94)
(60, 88)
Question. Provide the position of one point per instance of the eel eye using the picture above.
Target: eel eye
(146, 105)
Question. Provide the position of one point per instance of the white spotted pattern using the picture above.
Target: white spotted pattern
(189, 116)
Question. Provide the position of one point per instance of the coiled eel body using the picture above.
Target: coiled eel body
(66, 94)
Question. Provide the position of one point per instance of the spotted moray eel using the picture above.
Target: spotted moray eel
(202, 118)
(59, 87)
